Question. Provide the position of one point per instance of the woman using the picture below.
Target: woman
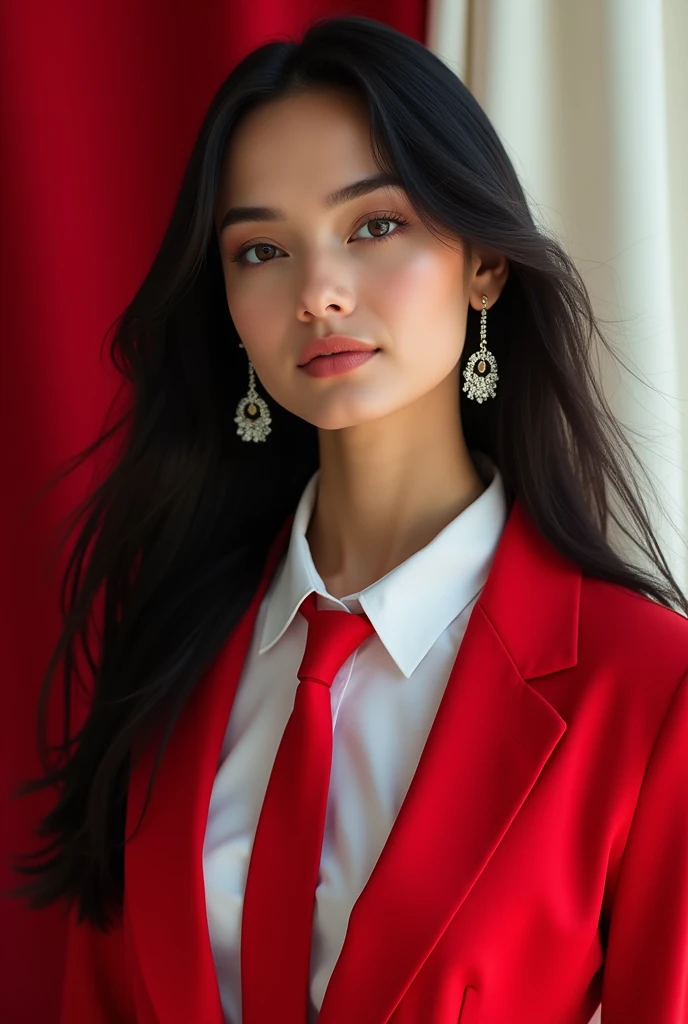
(498, 826)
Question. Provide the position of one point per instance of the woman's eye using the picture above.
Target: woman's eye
(264, 248)
(383, 220)
(261, 247)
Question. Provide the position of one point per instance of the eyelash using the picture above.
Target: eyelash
(238, 257)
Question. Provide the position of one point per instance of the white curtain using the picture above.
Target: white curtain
(589, 99)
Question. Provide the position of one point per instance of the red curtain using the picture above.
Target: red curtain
(99, 107)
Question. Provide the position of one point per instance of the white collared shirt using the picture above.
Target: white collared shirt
(384, 701)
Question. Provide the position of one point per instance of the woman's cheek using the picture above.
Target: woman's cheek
(250, 316)
(414, 280)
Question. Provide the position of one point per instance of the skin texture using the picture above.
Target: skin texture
(394, 465)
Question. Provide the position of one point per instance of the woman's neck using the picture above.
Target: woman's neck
(385, 490)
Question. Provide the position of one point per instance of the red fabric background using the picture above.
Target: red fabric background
(99, 107)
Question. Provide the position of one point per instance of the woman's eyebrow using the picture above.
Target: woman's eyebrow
(238, 214)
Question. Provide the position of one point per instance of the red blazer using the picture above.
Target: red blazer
(538, 865)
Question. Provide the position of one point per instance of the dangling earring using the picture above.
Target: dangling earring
(253, 415)
(481, 385)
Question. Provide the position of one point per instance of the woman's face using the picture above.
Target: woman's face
(317, 268)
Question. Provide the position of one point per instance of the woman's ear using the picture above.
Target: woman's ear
(489, 277)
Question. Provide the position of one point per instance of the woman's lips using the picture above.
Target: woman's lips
(342, 362)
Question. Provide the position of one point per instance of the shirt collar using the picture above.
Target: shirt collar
(411, 606)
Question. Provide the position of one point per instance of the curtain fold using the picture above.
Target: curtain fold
(99, 107)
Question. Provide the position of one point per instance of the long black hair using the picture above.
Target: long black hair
(173, 541)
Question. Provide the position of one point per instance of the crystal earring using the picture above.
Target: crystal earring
(481, 385)
(252, 413)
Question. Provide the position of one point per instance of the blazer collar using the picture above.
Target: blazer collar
(524, 625)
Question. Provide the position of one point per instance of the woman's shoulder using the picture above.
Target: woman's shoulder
(633, 637)
(629, 610)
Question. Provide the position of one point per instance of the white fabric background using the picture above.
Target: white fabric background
(589, 98)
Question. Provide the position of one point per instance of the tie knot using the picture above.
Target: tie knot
(333, 636)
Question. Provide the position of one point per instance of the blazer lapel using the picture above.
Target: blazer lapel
(491, 739)
(164, 883)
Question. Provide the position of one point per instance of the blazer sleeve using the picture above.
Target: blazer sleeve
(97, 986)
(645, 976)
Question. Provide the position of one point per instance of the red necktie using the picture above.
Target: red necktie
(277, 917)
